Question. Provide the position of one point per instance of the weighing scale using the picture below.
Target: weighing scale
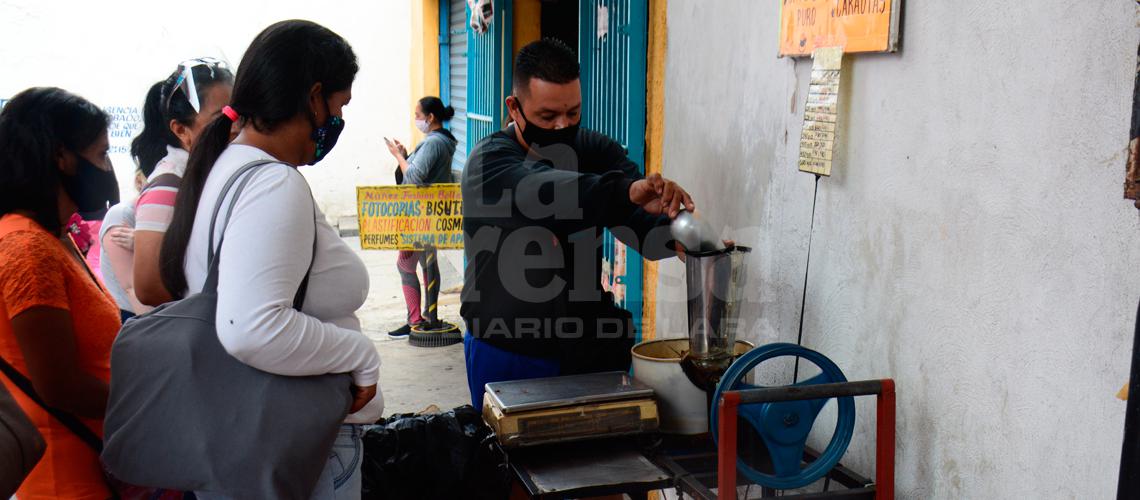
(575, 407)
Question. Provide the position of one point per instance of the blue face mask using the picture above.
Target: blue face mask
(326, 136)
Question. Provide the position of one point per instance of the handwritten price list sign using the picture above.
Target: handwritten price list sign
(821, 114)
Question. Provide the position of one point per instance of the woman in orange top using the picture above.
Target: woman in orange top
(57, 322)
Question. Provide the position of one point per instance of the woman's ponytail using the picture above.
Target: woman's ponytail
(209, 146)
(150, 146)
(271, 87)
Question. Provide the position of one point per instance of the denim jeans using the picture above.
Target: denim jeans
(341, 478)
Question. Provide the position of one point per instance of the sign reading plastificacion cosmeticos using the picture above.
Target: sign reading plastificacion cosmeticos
(410, 217)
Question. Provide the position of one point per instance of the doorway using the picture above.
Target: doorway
(611, 39)
(560, 21)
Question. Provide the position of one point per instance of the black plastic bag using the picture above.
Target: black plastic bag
(446, 455)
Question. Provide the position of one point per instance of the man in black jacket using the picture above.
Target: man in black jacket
(536, 198)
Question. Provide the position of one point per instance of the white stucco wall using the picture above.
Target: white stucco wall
(972, 244)
(111, 52)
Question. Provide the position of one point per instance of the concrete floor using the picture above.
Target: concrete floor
(412, 378)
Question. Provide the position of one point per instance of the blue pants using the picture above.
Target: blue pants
(487, 363)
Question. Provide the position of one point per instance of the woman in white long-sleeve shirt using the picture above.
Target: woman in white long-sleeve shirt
(288, 96)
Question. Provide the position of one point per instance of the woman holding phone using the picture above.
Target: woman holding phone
(429, 164)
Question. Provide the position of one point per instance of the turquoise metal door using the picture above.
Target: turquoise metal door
(612, 40)
(488, 74)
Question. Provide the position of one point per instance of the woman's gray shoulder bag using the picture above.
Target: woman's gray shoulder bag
(186, 415)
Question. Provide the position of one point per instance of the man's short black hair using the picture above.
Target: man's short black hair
(549, 60)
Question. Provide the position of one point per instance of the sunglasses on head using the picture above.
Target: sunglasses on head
(186, 83)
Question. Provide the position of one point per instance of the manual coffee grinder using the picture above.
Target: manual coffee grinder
(715, 283)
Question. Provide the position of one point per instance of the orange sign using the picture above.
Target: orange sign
(855, 25)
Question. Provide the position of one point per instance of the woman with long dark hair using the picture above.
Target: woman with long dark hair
(175, 113)
(58, 322)
(288, 99)
(429, 164)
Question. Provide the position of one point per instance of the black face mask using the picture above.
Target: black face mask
(91, 188)
(326, 136)
(542, 137)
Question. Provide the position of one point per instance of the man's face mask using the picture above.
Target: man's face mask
(542, 137)
(326, 135)
(91, 188)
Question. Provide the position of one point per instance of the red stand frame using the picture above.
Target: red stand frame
(884, 390)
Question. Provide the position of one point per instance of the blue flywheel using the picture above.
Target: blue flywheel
(784, 426)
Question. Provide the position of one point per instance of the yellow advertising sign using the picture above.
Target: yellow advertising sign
(855, 25)
(410, 217)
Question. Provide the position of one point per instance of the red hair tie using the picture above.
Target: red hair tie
(231, 114)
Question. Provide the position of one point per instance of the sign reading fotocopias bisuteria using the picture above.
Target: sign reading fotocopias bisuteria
(410, 217)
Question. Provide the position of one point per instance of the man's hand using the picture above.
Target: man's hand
(361, 396)
(398, 150)
(658, 195)
(124, 237)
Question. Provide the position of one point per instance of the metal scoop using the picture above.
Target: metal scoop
(694, 234)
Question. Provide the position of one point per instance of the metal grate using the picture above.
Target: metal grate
(489, 74)
(453, 59)
(613, 61)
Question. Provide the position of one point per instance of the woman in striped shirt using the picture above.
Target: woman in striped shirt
(176, 111)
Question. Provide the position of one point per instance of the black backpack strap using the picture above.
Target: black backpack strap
(299, 299)
(68, 420)
(211, 250)
(214, 253)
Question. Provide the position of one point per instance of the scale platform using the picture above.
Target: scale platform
(569, 408)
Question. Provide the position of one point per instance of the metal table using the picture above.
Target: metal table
(692, 462)
(685, 464)
(585, 469)
(638, 465)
